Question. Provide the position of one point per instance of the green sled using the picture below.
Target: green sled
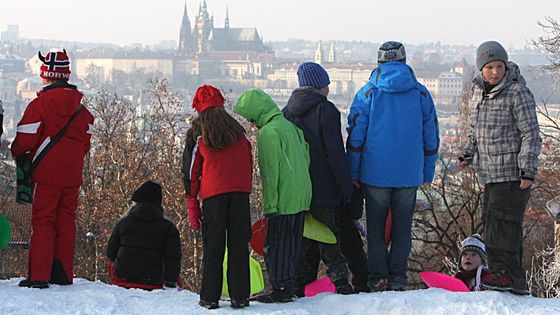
(317, 230)
(255, 276)
(5, 231)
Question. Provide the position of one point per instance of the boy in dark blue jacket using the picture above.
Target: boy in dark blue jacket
(318, 118)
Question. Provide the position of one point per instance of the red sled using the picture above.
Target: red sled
(388, 227)
(259, 230)
(440, 280)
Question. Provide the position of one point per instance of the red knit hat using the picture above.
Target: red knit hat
(56, 66)
(207, 96)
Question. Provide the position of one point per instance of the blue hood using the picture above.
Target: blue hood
(393, 77)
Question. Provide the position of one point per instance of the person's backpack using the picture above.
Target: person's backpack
(25, 165)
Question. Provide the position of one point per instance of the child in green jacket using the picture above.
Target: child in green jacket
(284, 168)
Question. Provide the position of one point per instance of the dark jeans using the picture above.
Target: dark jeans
(504, 209)
(352, 247)
(282, 247)
(226, 217)
(382, 263)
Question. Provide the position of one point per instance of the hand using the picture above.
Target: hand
(194, 212)
(356, 183)
(525, 183)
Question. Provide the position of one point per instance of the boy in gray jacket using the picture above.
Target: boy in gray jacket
(503, 147)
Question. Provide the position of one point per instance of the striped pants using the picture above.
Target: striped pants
(281, 249)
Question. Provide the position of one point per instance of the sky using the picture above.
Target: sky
(85, 297)
(512, 22)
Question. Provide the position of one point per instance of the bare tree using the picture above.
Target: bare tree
(133, 144)
(550, 42)
(544, 276)
(452, 211)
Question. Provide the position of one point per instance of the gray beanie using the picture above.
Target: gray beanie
(488, 52)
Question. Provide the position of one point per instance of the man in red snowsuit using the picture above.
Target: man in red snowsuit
(58, 176)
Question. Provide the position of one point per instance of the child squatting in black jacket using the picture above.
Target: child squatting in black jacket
(144, 249)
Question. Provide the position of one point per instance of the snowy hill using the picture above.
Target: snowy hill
(85, 297)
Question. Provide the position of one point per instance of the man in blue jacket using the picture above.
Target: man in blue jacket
(392, 147)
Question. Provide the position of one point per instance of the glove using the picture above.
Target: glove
(195, 215)
(169, 285)
(360, 228)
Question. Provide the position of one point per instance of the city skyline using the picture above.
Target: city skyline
(148, 22)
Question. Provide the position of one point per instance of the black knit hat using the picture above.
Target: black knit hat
(475, 244)
(149, 192)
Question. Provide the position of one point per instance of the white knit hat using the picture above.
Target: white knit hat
(475, 244)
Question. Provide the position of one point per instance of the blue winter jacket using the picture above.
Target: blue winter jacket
(393, 135)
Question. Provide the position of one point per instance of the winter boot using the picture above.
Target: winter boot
(58, 276)
(209, 305)
(520, 291)
(299, 292)
(343, 287)
(26, 283)
(361, 288)
(239, 303)
(282, 295)
(380, 285)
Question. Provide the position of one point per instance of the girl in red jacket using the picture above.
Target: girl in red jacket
(221, 176)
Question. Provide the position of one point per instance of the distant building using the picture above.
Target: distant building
(205, 38)
(430, 80)
(320, 54)
(207, 52)
(12, 64)
(27, 88)
(103, 65)
(7, 89)
(11, 34)
(445, 87)
(345, 79)
(450, 87)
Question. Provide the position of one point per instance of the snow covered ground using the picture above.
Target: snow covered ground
(85, 297)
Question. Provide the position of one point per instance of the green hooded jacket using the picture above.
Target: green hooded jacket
(283, 155)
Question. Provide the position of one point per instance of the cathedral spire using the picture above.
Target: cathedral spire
(185, 35)
(332, 54)
(319, 53)
(226, 23)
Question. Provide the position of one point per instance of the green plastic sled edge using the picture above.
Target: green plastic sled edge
(317, 230)
(255, 276)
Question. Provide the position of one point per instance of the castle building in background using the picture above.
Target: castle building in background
(205, 38)
(207, 53)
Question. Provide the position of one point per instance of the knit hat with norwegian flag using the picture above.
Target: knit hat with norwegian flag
(55, 66)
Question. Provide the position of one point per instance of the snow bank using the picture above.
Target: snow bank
(86, 297)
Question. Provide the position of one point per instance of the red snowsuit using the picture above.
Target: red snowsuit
(57, 178)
